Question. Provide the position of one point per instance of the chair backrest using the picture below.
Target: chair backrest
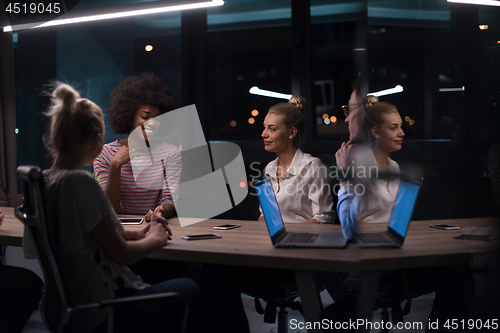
(34, 214)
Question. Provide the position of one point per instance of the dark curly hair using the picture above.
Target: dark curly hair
(134, 92)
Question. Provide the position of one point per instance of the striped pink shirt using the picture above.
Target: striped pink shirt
(154, 184)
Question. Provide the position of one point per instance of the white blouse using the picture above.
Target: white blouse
(303, 191)
(375, 202)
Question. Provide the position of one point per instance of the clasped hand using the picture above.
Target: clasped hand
(157, 228)
(157, 212)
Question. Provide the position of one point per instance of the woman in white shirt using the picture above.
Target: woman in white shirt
(383, 125)
(300, 181)
(300, 184)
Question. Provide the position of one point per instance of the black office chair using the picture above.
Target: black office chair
(274, 286)
(55, 309)
(391, 294)
(279, 295)
(392, 291)
(281, 292)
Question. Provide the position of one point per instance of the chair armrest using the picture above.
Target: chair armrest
(125, 300)
(132, 299)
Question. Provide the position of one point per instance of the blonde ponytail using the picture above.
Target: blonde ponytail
(73, 121)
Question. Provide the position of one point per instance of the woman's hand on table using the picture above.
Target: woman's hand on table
(148, 216)
(163, 221)
(159, 231)
(313, 221)
(144, 231)
(141, 233)
(137, 234)
(159, 211)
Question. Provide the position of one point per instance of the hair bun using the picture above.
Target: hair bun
(369, 101)
(67, 95)
(298, 101)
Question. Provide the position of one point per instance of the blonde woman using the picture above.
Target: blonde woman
(382, 125)
(299, 180)
(95, 249)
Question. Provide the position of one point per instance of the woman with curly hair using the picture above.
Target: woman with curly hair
(95, 251)
(135, 102)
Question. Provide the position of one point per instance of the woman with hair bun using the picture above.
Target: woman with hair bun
(94, 248)
(135, 102)
(382, 125)
(299, 180)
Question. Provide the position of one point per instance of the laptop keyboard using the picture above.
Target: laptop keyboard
(373, 238)
(302, 238)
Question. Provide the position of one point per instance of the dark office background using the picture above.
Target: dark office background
(313, 48)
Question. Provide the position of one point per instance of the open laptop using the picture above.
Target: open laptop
(399, 221)
(279, 236)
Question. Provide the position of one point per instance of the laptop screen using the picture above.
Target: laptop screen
(269, 206)
(403, 206)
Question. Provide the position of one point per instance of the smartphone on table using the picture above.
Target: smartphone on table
(444, 227)
(196, 237)
(131, 220)
(227, 226)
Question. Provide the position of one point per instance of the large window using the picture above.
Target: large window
(94, 57)
(248, 45)
(428, 47)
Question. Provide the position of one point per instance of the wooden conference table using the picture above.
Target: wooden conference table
(250, 245)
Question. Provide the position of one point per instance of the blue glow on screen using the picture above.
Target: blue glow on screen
(270, 207)
(403, 207)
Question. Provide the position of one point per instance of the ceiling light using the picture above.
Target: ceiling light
(483, 27)
(451, 89)
(477, 2)
(113, 12)
(256, 91)
(395, 90)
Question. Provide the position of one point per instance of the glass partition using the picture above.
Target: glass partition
(94, 57)
(248, 45)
